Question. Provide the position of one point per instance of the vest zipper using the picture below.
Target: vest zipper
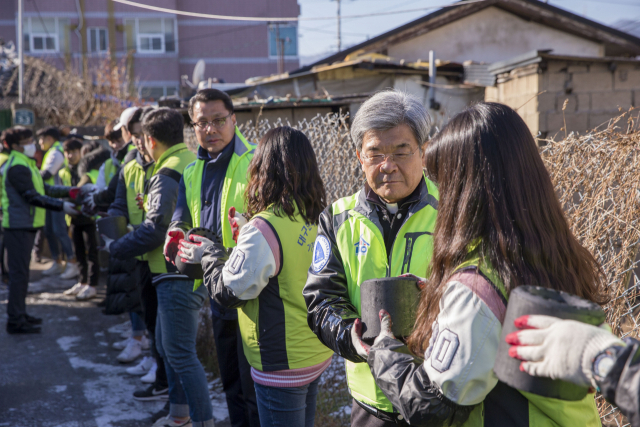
(394, 240)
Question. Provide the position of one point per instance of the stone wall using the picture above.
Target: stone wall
(594, 91)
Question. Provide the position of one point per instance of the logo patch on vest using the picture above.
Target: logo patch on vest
(445, 348)
(362, 246)
(321, 253)
(235, 264)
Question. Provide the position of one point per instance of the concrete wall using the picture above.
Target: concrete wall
(492, 35)
(594, 92)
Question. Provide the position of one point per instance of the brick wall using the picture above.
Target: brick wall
(594, 92)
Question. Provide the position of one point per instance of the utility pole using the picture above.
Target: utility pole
(339, 28)
(20, 54)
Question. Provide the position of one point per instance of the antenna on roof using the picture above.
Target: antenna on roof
(198, 72)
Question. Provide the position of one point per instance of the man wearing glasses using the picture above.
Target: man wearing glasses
(210, 186)
(384, 230)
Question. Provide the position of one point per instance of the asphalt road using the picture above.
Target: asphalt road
(68, 375)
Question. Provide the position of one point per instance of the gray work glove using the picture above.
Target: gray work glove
(363, 348)
(190, 251)
(70, 209)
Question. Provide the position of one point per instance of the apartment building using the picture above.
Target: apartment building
(157, 48)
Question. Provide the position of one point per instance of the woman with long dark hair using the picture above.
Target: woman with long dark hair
(264, 276)
(499, 226)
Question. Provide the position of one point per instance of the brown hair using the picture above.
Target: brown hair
(495, 192)
(284, 173)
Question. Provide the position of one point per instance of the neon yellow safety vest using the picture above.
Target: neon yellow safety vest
(274, 329)
(93, 175)
(65, 178)
(56, 146)
(135, 179)
(542, 411)
(17, 213)
(110, 169)
(364, 256)
(176, 158)
(235, 182)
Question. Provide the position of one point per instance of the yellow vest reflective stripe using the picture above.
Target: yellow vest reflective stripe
(543, 411)
(17, 213)
(175, 158)
(235, 182)
(56, 146)
(274, 329)
(364, 256)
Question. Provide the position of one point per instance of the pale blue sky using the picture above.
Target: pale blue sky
(318, 38)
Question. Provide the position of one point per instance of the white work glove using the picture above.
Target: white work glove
(363, 348)
(559, 349)
(172, 243)
(190, 251)
(88, 189)
(70, 209)
(107, 242)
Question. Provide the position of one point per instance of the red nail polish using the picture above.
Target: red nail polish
(513, 352)
(521, 322)
(512, 338)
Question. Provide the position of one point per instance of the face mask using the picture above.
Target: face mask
(29, 150)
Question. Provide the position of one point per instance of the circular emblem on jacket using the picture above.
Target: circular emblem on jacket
(321, 253)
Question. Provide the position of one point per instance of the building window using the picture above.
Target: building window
(153, 93)
(43, 35)
(283, 40)
(98, 42)
(152, 35)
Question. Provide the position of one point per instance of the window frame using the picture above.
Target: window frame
(272, 27)
(150, 36)
(44, 35)
(92, 31)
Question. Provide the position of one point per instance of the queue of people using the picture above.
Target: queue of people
(471, 214)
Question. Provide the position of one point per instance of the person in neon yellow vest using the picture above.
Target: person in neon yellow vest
(83, 229)
(384, 230)
(500, 225)
(56, 230)
(264, 275)
(210, 186)
(25, 197)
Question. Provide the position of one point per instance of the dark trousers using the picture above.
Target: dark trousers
(362, 418)
(85, 241)
(18, 244)
(149, 302)
(235, 373)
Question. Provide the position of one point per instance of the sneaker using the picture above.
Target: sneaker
(87, 292)
(24, 328)
(71, 271)
(151, 393)
(161, 413)
(168, 422)
(75, 289)
(33, 320)
(144, 342)
(141, 368)
(150, 377)
(131, 352)
(120, 345)
(56, 268)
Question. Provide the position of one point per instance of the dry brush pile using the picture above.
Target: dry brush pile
(597, 178)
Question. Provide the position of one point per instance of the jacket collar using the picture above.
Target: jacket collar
(417, 200)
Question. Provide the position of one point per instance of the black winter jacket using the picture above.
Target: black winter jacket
(621, 387)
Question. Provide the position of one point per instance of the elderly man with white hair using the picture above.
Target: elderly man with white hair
(384, 230)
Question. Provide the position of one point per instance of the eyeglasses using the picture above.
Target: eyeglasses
(397, 158)
(216, 123)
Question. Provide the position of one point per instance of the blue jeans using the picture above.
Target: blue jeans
(176, 329)
(55, 228)
(287, 406)
(137, 325)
